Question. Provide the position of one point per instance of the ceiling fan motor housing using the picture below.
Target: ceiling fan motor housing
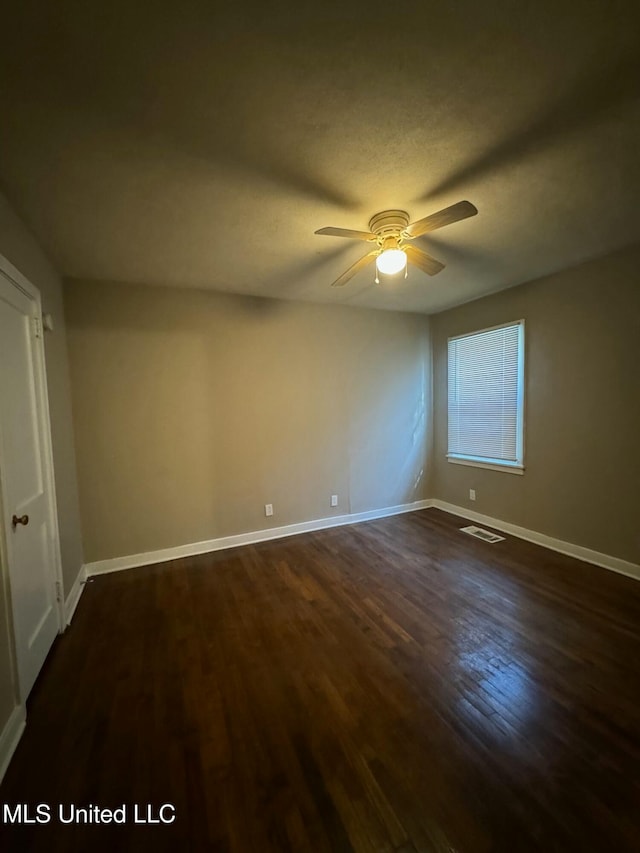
(389, 223)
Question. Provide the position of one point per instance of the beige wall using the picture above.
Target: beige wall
(19, 247)
(192, 410)
(582, 421)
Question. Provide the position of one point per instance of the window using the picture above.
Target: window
(486, 395)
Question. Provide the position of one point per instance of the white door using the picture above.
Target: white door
(26, 479)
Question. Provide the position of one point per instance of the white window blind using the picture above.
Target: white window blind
(486, 373)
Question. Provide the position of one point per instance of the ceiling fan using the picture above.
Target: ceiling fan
(389, 230)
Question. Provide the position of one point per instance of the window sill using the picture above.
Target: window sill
(472, 462)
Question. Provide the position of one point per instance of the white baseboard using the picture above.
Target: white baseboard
(74, 596)
(119, 563)
(614, 564)
(10, 737)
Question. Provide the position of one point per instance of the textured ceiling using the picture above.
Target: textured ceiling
(202, 144)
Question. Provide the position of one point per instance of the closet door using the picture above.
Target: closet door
(26, 480)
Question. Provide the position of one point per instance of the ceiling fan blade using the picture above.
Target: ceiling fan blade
(447, 216)
(359, 265)
(347, 232)
(423, 261)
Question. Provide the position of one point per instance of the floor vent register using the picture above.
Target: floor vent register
(480, 533)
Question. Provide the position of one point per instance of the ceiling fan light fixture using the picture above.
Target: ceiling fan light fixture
(391, 261)
(388, 230)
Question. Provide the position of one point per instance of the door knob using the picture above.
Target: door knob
(19, 519)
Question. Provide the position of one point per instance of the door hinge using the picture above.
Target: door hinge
(37, 327)
(58, 591)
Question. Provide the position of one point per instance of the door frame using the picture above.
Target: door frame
(21, 283)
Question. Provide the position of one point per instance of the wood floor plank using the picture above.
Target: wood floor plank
(388, 686)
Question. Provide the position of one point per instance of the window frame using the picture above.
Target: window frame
(491, 463)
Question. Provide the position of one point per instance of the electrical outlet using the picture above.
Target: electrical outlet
(472, 494)
(334, 500)
(268, 509)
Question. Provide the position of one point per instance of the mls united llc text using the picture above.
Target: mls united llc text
(43, 813)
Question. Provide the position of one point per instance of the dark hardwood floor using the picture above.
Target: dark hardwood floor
(390, 686)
